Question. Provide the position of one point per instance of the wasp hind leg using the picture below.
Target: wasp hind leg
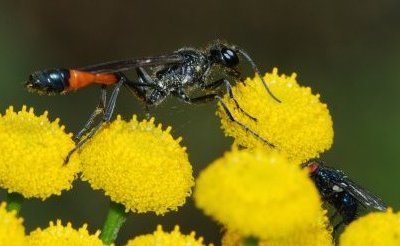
(99, 110)
(106, 118)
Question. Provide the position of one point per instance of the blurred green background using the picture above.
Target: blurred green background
(348, 51)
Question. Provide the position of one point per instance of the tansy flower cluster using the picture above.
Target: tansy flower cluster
(373, 229)
(317, 234)
(12, 233)
(11, 228)
(258, 193)
(138, 165)
(33, 153)
(173, 238)
(264, 196)
(300, 126)
(281, 196)
(57, 234)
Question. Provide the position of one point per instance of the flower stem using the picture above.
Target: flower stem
(250, 241)
(14, 201)
(115, 219)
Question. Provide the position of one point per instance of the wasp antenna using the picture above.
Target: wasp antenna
(255, 69)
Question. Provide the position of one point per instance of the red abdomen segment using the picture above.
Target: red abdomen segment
(79, 79)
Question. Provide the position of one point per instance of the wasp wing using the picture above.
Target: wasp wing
(128, 64)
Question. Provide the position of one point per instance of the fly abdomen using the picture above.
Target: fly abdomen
(347, 207)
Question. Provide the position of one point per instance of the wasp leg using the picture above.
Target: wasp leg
(106, 118)
(227, 111)
(215, 97)
(228, 87)
(256, 70)
(141, 88)
(146, 78)
(213, 85)
(99, 109)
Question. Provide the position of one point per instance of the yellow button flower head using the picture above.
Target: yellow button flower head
(33, 150)
(257, 193)
(300, 126)
(57, 234)
(161, 238)
(138, 165)
(378, 228)
(12, 231)
(318, 234)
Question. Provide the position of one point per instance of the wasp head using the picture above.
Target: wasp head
(224, 55)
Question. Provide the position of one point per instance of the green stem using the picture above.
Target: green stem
(115, 219)
(14, 202)
(250, 241)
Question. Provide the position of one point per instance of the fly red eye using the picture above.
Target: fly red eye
(312, 167)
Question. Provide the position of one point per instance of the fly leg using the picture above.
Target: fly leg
(333, 217)
(337, 227)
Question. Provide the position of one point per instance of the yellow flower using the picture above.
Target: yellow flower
(257, 193)
(161, 238)
(378, 228)
(12, 231)
(57, 234)
(138, 165)
(300, 126)
(318, 234)
(32, 156)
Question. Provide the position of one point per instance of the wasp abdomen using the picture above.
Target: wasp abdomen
(79, 79)
(55, 81)
(51, 81)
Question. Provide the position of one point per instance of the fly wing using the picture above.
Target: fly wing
(362, 195)
(128, 64)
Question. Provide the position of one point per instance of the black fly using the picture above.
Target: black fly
(178, 74)
(342, 193)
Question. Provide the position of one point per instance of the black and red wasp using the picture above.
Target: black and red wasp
(178, 74)
(341, 192)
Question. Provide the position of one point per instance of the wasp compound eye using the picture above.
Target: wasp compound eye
(230, 57)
